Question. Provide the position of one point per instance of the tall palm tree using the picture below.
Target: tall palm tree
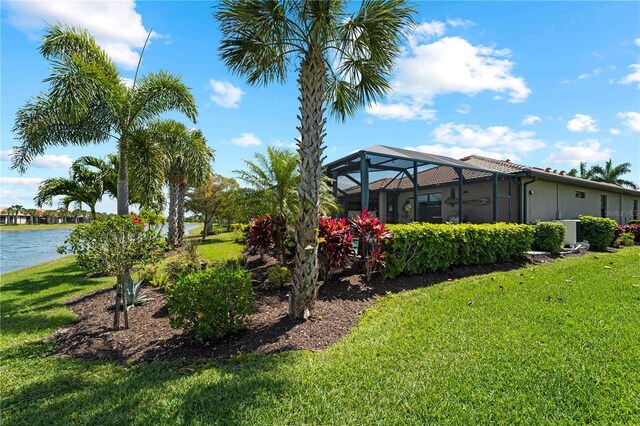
(611, 174)
(583, 173)
(184, 161)
(83, 187)
(88, 102)
(276, 176)
(343, 62)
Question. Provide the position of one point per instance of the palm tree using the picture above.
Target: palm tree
(611, 174)
(584, 173)
(184, 161)
(83, 187)
(16, 209)
(88, 102)
(343, 62)
(276, 177)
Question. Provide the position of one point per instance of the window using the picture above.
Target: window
(430, 207)
(635, 209)
(580, 194)
(603, 205)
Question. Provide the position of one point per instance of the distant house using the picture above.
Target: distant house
(9, 217)
(472, 189)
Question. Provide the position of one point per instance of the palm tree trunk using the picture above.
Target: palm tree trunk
(172, 230)
(93, 212)
(123, 184)
(182, 192)
(305, 276)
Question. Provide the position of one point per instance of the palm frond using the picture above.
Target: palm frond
(161, 92)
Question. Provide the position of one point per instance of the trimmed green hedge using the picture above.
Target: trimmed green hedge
(549, 236)
(417, 248)
(599, 231)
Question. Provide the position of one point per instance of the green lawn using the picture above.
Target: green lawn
(42, 227)
(551, 344)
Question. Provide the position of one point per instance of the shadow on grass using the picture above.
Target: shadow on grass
(119, 395)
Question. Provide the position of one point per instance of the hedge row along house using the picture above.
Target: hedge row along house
(402, 185)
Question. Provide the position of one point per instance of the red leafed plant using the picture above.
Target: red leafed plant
(260, 235)
(370, 232)
(335, 245)
(633, 228)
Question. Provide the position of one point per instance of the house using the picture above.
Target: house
(401, 185)
(8, 217)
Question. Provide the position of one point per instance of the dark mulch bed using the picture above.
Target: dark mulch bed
(150, 337)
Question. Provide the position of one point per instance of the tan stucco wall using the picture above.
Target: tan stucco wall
(474, 214)
(551, 201)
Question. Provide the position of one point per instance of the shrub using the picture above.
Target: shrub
(148, 273)
(211, 304)
(632, 228)
(626, 239)
(160, 280)
(549, 236)
(186, 262)
(634, 222)
(417, 248)
(260, 235)
(278, 276)
(599, 231)
(371, 233)
(335, 245)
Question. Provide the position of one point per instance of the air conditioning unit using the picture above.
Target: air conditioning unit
(574, 231)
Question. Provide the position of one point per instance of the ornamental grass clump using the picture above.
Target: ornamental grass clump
(211, 304)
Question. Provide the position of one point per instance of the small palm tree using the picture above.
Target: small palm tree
(84, 186)
(343, 62)
(276, 177)
(183, 160)
(17, 209)
(611, 174)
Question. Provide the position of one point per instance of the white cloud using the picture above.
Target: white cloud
(24, 182)
(453, 65)
(225, 94)
(634, 77)
(246, 139)
(582, 123)
(630, 119)
(463, 109)
(460, 152)
(593, 73)
(637, 41)
(571, 153)
(530, 120)
(116, 25)
(127, 81)
(614, 132)
(400, 111)
(459, 22)
(495, 138)
(48, 161)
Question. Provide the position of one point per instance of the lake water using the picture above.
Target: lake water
(21, 249)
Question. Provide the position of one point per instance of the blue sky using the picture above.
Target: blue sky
(542, 83)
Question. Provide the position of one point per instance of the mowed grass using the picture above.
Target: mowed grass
(549, 344)
(41, 227)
